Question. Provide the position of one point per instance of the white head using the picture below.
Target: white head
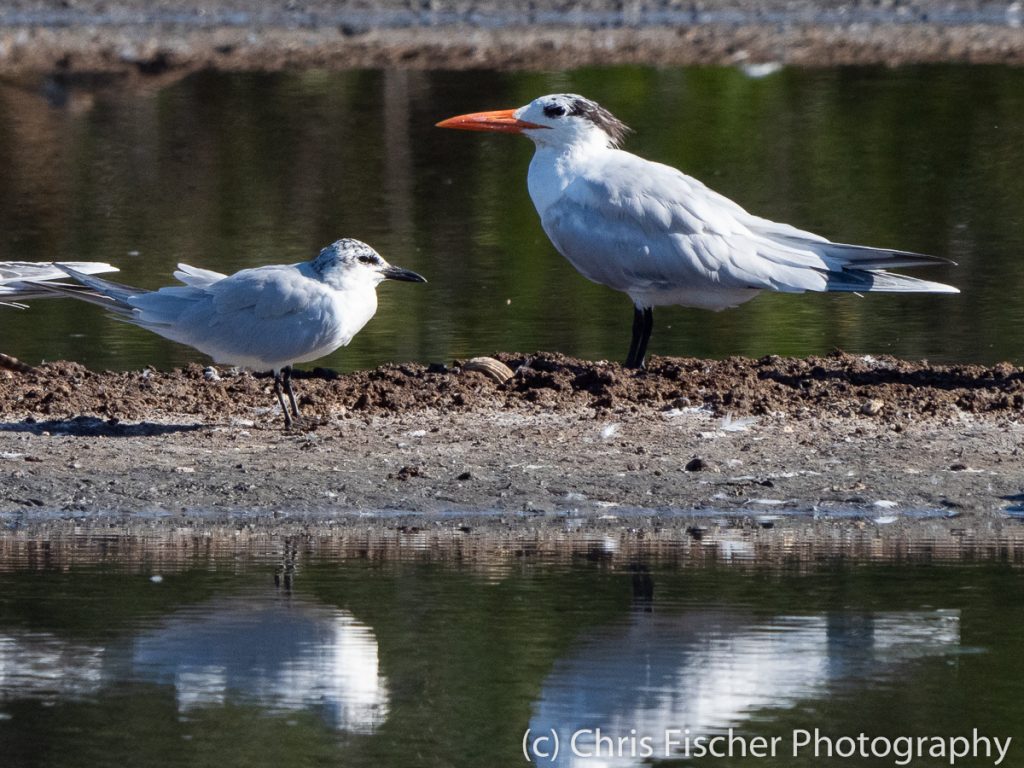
(351, 264)
(559, 119)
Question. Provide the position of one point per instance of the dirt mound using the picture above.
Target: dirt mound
(838, 384)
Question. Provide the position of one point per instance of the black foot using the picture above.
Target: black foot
(293, 422)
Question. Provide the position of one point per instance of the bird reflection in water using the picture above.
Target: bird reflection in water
(707, 670)
(276, 652)
(282, 654)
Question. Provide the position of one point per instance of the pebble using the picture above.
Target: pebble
(872, 407)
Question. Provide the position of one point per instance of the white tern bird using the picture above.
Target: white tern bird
(265, 318)
(14, 274)
(663, 237)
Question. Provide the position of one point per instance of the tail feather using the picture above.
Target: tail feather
(858, 280)
(48, 289)
(53, 289)
(150, 309)
(118, 293)
(863, 268)
(865, 256)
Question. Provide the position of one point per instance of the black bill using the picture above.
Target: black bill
(397, 273)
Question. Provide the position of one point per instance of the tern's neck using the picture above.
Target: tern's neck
(354, 281)
(553, 168)
(355, 296)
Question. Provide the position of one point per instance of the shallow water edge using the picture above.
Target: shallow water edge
(503, 543)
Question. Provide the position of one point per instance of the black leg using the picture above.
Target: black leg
(281, 398)
(287, 372)
(638, 323)
(643, 324)
(641, 351)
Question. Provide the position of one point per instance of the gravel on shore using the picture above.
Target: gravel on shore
(851, 439)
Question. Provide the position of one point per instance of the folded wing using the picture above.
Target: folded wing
(646, 228)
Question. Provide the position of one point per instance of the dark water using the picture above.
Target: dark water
(234, 170)
(194, 652)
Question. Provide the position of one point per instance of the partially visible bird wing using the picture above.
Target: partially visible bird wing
(16, 277)
(12, 271)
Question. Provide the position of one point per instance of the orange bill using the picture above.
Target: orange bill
(502, 121)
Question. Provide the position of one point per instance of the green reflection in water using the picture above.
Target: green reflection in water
(232, 170)
(470, 652)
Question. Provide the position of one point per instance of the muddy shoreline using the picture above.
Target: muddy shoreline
(848, 442)
(128, 38)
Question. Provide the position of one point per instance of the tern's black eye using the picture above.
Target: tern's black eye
(367, 258)
(554, 110)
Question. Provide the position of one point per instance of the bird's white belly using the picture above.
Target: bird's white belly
(274, 355)
(715, 299)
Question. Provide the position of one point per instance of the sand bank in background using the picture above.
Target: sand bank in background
(135, 38)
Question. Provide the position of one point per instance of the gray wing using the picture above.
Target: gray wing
(260, 317)
(640, 227)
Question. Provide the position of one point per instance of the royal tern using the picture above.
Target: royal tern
(14, 274)
(265, 318)
(663, 237)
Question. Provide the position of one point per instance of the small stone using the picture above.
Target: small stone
(406, 473)
(696, 464)
(210, 373)
(465, 476)
(872, 407)
(957, 467)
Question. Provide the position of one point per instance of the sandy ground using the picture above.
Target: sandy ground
(775, 442)
(145, 39)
